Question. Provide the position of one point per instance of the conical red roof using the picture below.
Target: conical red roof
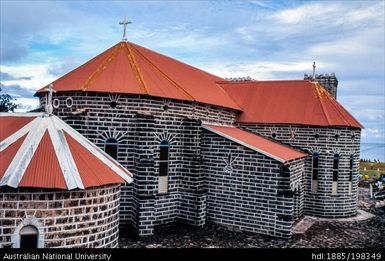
(288, 102)
(130, 68)
(42, 151)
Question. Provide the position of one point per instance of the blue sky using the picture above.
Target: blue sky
(42, 40)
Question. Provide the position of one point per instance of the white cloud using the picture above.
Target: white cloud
(38, 73)
(331, 14)
(261, 70)
(373, 132)
(190, 42)
(26, 104)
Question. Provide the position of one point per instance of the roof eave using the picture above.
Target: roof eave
(252, 147)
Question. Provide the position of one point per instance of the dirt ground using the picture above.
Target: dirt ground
(360, 234)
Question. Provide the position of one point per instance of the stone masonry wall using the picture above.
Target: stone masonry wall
(297, 185)
(247, 190)
(327, 141)
(175, 121)
(79, 218)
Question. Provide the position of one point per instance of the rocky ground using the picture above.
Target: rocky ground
(362, 234)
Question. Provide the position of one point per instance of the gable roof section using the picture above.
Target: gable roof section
(288, 102)
(271, 149)
(44, 152)
(132, 69)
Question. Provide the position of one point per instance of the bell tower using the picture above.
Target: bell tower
(328, 81)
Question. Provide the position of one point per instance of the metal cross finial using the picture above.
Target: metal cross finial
(314, 71)
(49, 106)
(125, 22)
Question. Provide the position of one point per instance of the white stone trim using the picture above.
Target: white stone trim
(56, 103)
(112, 133)
(23, 157)
(97, 152)
(17, 135)
(54, 127)
(63, 153)
(67, 102)
(163, 184)
(170, 138)
(28, 221)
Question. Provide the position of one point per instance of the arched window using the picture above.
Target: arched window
(336, 163)
(164, 148)
(314, 178)
(111, 147)
(29, 237)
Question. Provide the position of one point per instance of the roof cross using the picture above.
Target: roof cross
(314, 71)
(125, 22)
(48, 106)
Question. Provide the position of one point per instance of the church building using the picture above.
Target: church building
(249, 155)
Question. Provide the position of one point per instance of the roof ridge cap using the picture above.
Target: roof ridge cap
(101, 67)
(319, 92)
(135, 68)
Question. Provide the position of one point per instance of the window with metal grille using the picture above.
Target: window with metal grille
(111, 147)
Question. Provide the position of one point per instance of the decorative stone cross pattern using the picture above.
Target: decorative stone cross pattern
(229, 161)
(293, 133)
(125, 22)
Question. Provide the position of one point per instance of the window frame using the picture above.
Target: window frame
(315, 171)
(112, 142)
(164, 165)
(335, 173)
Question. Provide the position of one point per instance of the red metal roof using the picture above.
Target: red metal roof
(255, 142)
(92, 174)
(130, 68)
(288, 102)
(47, 153)
(11, 124)
(44, 170)
(7, 155)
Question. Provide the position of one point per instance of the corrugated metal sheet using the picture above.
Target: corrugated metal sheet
(6, 156)
(267, 147)
(44, 170)
(11, 124)
(130, 68)
(47, 153)
(288, 102)
(92, 171)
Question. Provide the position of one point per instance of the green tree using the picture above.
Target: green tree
(6, 102)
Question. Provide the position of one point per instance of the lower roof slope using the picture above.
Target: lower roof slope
(271, 149)
(299, 102)
(42, 151)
